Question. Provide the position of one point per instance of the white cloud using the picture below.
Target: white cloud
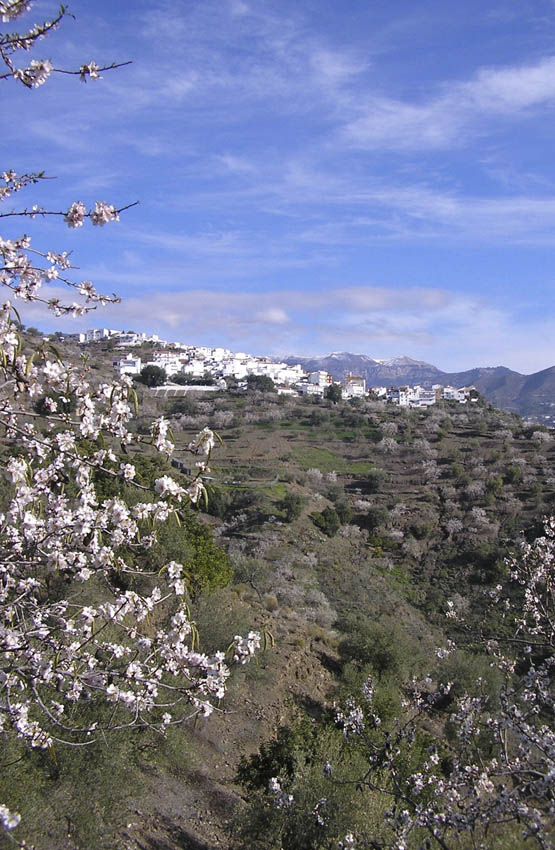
(272, 316)
(418, 212)
(236, 164)
(459, 112)
(511, 89)
(335, 66)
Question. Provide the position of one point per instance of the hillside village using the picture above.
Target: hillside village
(222, 365)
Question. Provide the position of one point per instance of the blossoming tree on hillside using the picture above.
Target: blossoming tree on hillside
(79, 623)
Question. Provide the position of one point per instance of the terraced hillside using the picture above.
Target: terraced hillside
(349, 528)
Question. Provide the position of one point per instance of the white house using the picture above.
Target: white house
(289, 374)
(169, 362)
(422, 398)
(321, 378)
(94, 334)
(353, 386)
(415, 396)
(234, 368)
(194, 367)
(399, 395)
(220, 354)
(129, 339)
(453, 394)
(127, 365)
(305, 388)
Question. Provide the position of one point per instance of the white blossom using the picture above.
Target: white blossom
(103, 213)
(76, 214)
(36, 74)
(89, 71)
(9, 820)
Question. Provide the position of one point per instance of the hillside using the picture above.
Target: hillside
(338, 520)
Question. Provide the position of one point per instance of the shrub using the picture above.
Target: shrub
(372, 518)
(327, 521)
(271, 602)
(377, 645)
(292, 506)
(192, 544)
(421, 530)
(344, 511)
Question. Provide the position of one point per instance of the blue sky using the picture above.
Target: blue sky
(376, 177)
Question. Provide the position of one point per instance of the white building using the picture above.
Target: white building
(220, 354)
(289, 374)
(453, 394)
(305, 388)
(171, 363)
(321, 378)
(129, 339)
(411, 396)
(422, 398)
(399, 396)
(95, 334)
(234, 368)
(127, 365)
(194, 367)
(353, 386)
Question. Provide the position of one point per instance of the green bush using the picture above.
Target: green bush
(219, 501)
(220, 615)
(327, 521)
(374, 517)
(192, 380)
(319, 417)
(292, 506)
(78, 792)
(344, 511)
(64, 405)
(513, 474)
(372, 481)
(381, 646)
(192, 544)
(324, 805)
(281, 756)
(494, 487)
(421, 530)
(333, 393)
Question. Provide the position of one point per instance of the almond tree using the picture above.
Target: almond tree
(68, 632)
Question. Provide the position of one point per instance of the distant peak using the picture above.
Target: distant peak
(403, 360)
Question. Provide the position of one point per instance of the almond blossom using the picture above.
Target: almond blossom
(136, 650)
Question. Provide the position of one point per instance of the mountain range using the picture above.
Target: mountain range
(531, 396)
